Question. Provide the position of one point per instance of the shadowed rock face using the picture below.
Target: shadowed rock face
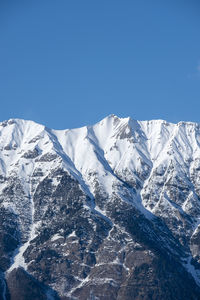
(22, 286)
(76, 226)
(81, 254)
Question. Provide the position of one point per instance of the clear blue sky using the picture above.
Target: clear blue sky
(67, 63)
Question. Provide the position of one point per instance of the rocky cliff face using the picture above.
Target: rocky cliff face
(110, 211)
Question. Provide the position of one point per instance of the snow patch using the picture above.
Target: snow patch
(56, 237)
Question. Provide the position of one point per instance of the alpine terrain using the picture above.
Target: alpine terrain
(104, 212)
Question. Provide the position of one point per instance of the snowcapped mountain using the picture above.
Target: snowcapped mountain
(109, 211)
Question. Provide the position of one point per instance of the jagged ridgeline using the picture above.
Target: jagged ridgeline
(110, 211)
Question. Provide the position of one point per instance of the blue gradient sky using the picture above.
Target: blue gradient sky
(68, 63)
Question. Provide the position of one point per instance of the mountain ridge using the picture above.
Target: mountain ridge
(131, 181)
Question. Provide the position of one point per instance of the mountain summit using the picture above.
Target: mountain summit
(109, 211)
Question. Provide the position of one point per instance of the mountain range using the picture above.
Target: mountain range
(103, 212)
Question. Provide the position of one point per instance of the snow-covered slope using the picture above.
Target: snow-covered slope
(151, 166)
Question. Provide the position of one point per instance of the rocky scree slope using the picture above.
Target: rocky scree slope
(110, 211)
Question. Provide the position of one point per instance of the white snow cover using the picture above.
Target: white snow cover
(111, 147)
(111, 144)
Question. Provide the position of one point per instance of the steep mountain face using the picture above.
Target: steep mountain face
(110, 211)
